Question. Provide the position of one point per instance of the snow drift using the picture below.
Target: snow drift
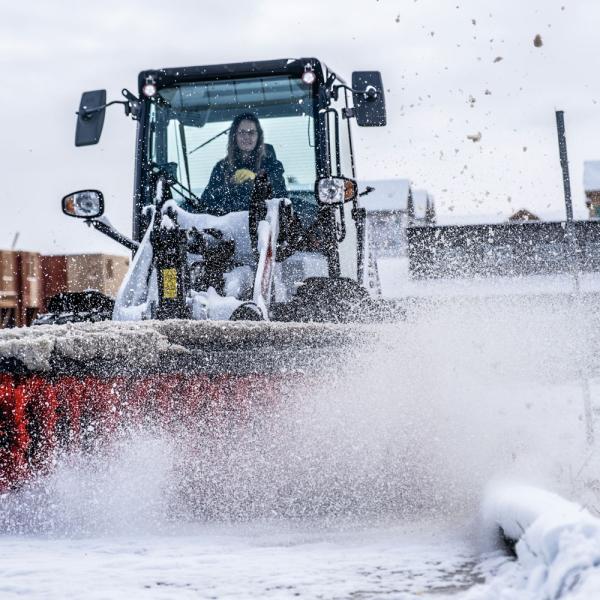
(557, 545)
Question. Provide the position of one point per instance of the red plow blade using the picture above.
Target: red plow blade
(73, 394)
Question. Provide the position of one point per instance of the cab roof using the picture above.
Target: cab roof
(283, 66)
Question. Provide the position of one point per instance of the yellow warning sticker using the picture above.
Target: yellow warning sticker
(169, 283)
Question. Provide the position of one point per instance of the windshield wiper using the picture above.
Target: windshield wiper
(211, 139)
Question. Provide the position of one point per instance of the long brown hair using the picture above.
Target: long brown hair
(234, 154)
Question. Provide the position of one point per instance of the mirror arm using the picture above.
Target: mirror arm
(367, 191)
(88, 112)
(107, 229)
(370, 92)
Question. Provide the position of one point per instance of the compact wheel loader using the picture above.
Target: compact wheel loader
(219, 308)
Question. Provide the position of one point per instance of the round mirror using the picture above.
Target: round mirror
(85, 204)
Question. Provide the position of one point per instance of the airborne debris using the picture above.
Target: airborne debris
(537, 41)
(498, 59)
(475, 137)
(397, 18)
(487, 93)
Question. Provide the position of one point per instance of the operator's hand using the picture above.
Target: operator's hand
(243, 175)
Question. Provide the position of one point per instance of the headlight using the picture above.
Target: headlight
(335, 190)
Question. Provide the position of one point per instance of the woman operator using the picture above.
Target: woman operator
(232, 179)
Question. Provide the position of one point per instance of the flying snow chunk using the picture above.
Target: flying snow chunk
(475, 137)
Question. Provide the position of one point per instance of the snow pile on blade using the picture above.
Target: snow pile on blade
(557, 546)
(189, 346)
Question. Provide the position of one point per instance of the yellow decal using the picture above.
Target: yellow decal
(169, 283)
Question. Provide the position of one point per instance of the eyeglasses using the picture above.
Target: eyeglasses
(247, 132)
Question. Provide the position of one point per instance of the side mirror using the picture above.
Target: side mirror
(85, 204)
(90, 118)
(369, 99)
(335, 190)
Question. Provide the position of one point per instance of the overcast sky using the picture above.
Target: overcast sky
(440, 61)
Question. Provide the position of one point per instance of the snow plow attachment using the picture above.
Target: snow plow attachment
(65, 387)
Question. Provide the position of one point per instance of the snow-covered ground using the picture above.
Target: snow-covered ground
(367, 485)
(257, 560)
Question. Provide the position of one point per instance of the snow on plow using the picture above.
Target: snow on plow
(66, 387)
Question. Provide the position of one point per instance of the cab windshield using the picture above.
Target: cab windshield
(189, 136)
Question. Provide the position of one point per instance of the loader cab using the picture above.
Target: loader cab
(304, 110)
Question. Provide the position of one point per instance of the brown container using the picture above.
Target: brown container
(30, 279)
(96, 271)
(8, 279)
(30, 298)
(80, 272)
(8, 288)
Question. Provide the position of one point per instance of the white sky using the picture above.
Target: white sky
(434, 56)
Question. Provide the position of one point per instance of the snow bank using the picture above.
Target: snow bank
(557, 545)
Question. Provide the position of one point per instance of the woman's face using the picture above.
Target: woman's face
(246, 135)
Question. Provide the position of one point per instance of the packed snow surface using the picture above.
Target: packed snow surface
(259, 560)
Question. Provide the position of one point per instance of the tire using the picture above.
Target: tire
(77, 307)
(326, 300)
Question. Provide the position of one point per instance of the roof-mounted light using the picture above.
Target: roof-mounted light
(149, 88)
(309, 76)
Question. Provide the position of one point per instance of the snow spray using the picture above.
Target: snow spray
(412, 423)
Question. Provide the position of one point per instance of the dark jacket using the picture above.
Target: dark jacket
(223, 196)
